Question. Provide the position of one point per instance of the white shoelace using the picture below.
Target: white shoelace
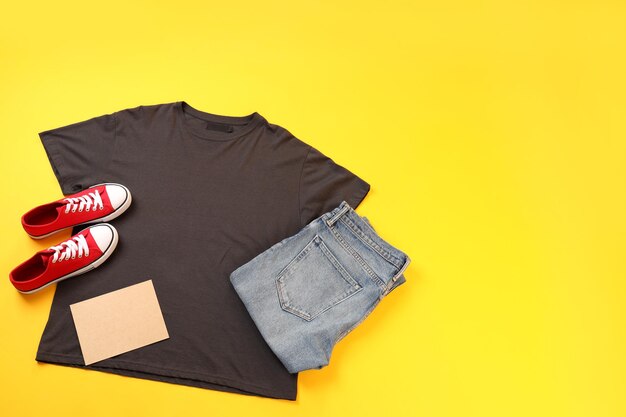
(69, 249)
(84, 202)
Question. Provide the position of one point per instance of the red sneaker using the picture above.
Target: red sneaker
(85, 251)
(100, 203)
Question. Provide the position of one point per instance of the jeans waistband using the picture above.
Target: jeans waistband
(366, 232)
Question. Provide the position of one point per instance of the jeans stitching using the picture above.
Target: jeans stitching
(384, 253)
(357, 257)
(333, 219)
(392, 281)
(337, 264)
(368, 241)
(284, 298)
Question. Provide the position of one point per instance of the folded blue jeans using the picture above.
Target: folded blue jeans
(308, 291)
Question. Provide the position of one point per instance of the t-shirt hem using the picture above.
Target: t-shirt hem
(359, 194)
(189, 378)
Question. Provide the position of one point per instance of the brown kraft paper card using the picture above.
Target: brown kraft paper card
(118, 321)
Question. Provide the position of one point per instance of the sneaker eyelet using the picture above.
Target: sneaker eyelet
(74, 257)
(87, 209)
(80, 210)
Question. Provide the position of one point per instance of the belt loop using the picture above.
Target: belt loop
(344, 208)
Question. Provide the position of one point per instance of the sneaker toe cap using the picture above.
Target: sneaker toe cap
(103, 235)
(117, 195)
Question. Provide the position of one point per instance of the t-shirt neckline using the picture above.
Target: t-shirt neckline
(249, 121)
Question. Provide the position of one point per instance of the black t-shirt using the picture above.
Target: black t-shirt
(210, 192)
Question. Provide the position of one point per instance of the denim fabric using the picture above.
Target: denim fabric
(308, 291)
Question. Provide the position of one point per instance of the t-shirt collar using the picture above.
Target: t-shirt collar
(183, 109)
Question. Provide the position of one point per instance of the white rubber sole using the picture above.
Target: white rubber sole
(121, 209)
(87, 268)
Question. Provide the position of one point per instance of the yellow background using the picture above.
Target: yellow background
(493, 134)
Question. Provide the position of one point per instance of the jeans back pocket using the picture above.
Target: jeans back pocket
(314, 281)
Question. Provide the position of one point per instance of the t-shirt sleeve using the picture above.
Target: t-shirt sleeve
(325, 184)
(81, 152)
